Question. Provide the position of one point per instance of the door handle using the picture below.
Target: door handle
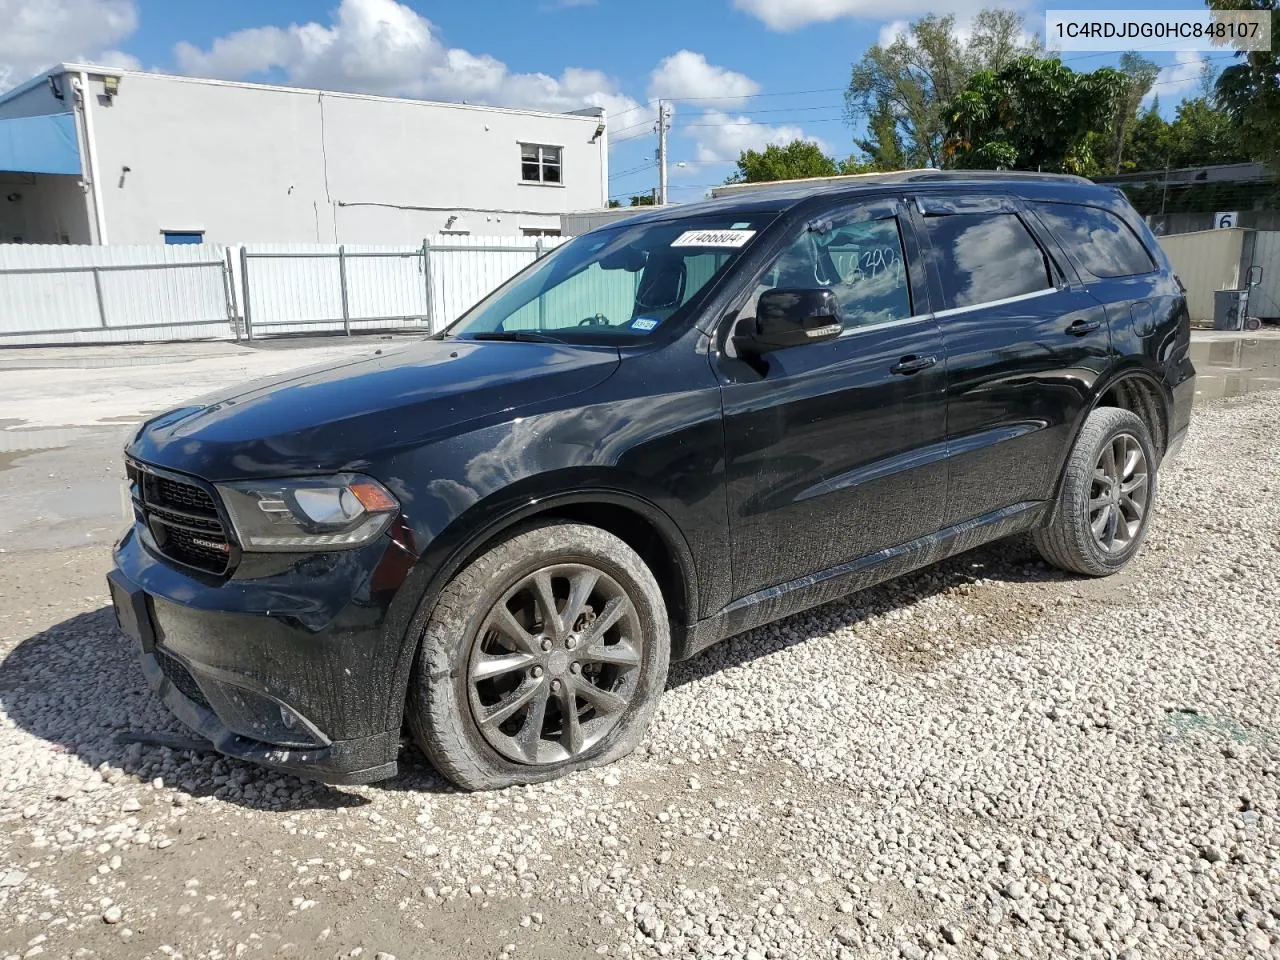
(912, 364)
(1081, 327)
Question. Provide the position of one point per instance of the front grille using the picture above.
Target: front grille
(181, 678)
(182, 518)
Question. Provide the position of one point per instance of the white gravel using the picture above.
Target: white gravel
(985, 759)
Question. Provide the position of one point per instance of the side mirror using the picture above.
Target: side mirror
(787, 317)
(1254, 276)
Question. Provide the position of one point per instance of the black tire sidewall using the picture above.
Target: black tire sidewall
(502, 567)
(1121, 422)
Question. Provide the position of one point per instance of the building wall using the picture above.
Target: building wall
(259, 164)
(583, 221)
(48, 209)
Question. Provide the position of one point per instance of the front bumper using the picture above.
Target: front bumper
(293, 670)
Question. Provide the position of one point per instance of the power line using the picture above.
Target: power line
(730, 123)
(633, 126)
(626, 173)
(753, 96)
(638, 106)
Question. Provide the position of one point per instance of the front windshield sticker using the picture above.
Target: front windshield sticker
(713, 238)
(643, 323)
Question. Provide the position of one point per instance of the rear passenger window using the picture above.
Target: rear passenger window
(1100, 241)
(985, 256)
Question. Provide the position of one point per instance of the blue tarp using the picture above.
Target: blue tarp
(39, 144)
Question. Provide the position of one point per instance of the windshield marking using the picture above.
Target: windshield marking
(713, 238)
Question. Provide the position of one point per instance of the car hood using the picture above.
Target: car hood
(337, 417)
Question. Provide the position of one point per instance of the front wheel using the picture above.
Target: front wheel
(546, 654)
(1106, 499)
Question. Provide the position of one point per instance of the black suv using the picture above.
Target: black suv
(668, 431)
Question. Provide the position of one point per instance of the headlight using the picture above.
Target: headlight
(308, 513)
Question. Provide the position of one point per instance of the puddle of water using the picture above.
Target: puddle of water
(1234, 366)
(26, 441)
(89, 363)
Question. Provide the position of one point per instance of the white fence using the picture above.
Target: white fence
(1264, 300)
(1211, 260)
(79, 294)
(82, 294)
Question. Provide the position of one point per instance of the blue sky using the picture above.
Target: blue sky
(741, 72)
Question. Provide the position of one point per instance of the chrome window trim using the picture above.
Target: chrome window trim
(952, 311)
(872, 327)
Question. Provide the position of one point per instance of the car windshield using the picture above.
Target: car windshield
(616, 283)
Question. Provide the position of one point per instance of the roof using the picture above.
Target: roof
(784, 194)
(1209, 173)
(587, 114)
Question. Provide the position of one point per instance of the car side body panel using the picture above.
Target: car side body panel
(770, 487)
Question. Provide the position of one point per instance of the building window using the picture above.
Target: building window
(539, 164)
(183, 236)
(539, 231)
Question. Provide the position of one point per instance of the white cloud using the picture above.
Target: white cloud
(35, 34)
(1179, 78)
(384, 47)
(791, 14)
(686, 75)
(892, 31)
(963, 33)
(721, 137)
(119, 59)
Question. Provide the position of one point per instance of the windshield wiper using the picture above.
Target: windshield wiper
(525, 336)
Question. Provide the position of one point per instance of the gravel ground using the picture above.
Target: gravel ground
(985, 759)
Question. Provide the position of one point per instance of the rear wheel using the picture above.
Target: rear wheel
(1107, 495)
(546, 654)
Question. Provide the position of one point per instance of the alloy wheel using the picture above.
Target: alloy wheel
(555, 664)
(1119, 493)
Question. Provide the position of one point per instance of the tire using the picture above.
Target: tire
(474, 660)
(1069, 542)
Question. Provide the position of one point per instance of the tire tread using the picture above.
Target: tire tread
(1066, 541)
(429, 714)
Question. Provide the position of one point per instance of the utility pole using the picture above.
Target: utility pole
(663, 125)
(1164, 194)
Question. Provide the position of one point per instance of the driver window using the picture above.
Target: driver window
(860, 261)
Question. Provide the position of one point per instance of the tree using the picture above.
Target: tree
(1140, 73)
(1146, 142)
(1035, 114)
(883, 146)
(911, 78)
(1249, 91)
(1202, 134)
(795, 161)
(642, 200)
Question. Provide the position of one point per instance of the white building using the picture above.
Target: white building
(92, 154)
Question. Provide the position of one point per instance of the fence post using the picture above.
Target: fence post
(342, 278)
(97, 289)
(542, 301)
(244, 279)
(229, 292)
(426, 279)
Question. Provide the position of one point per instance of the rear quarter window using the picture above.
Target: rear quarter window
(1096, 239)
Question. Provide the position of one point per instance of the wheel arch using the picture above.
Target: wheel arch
(1132, 388)
(635, 520)
(1141, 392)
